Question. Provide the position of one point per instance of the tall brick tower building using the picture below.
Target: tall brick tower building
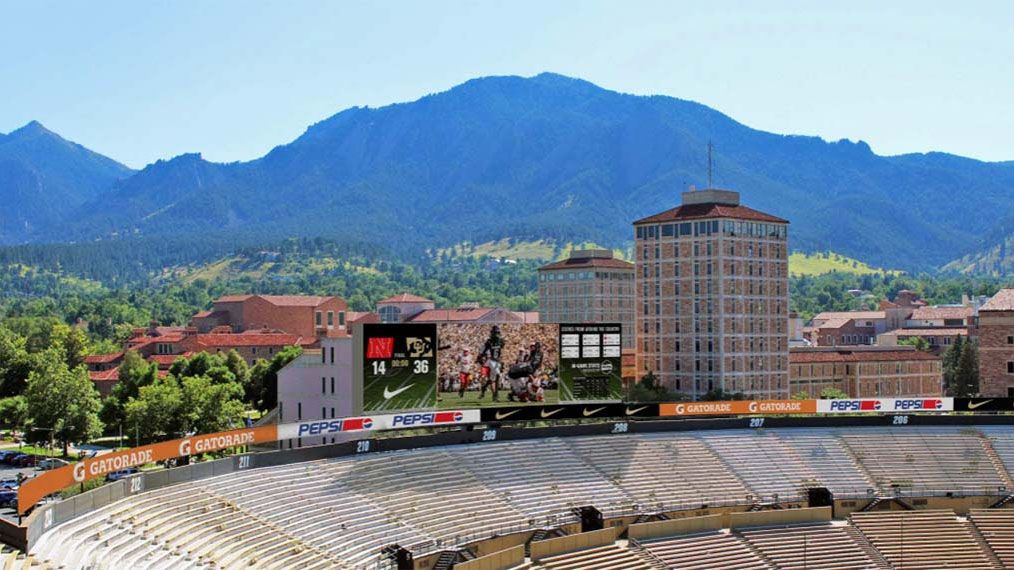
(711, 297)
(996, 345)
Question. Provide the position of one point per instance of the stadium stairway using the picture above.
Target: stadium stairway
(997, 461)
(542, 534)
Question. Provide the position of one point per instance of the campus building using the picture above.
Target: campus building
(865, 371)
(711, 297)
(302, 315)
(590, 286)
(996, 345)
(317, 385)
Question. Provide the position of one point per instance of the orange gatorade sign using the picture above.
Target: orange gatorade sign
(738, 407)
(33, 490)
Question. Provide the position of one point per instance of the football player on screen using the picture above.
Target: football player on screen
(490, 357)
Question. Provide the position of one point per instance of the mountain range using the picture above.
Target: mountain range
(528, 158)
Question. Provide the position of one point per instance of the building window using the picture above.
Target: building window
(341, 318)
(317, 316)
(332, 355)
(330, 319)
(322, 383)
(299, 411)
(332, 390)
(1010, 340)
(1010, 367)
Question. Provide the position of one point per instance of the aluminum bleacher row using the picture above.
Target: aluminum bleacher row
(340, 513)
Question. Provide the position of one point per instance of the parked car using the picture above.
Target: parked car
(51, 463)
(9, 484)
(27, 461)
(8, 454)
(8, 499)
(13, 459)
(117, 475)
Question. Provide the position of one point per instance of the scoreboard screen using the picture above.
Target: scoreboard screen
(399, 366)
(590, 362)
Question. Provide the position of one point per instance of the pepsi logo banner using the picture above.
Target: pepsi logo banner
(377, 422)
(885, 405)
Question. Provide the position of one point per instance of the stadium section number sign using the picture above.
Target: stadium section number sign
(590, 362)
(399, 366)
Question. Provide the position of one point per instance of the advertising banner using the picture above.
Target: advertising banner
(590, 362)
(569, 412)
(33, 490)
(377, 423)
(399, 366)
(984, 404)
(497, 364)
(885, 405)
(737, 407)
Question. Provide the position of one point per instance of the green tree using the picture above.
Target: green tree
(801, 395)
(62, 404)
(209, 406)
(14, 411)
(920, 344)
(15, 363)
(72, 342)
(950, 364)
(155, 412)
(134, 373)
(966, 375)
(831, 393)
(263, 387)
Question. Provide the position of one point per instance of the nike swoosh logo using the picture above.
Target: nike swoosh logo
(389, 394)
(635, 410)
(546, 414)
(502, 415)
(972, 406)
(593, 412)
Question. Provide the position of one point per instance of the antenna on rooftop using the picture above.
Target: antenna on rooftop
(711, 147)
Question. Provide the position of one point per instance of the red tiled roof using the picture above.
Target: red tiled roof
(936, 313)
(451, 315)
(361, 317)
(103, 358)
(860, 315)
(711, 210)
(104, 375)
(165, 360)
(814, 356)
(581, 262)
(279, 300)
(1002, 301)
(405, 298)
(939, 331)
(248, 339)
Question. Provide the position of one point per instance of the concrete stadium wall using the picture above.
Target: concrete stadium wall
(570, 543)
(780, 517)
(690, 525)
(47, 515)
(495, 561)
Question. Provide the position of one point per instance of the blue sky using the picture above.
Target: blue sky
(140, 81)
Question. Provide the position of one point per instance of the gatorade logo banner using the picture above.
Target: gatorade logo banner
(33, 490)
(738, 407)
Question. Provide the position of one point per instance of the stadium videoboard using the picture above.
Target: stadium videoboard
(399, 366)
(497, 364)
(590, 362)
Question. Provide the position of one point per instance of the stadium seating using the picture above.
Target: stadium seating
(811, 547)
(928, 540)
(765, 462)
(997, 528)
(717, 549)
(341, 513)
(662, 473)
(611, 557)
(925, 460)
(542, 480)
